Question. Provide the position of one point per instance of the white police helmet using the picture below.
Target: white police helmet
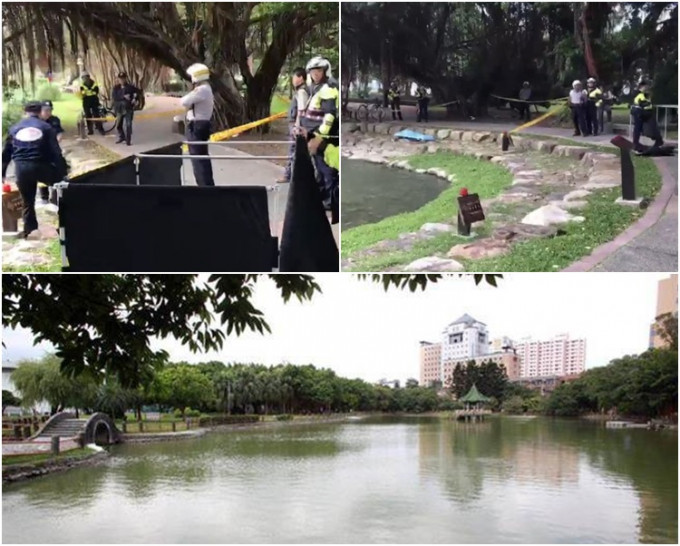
(320, 62)
(575, 83)
(198, 73)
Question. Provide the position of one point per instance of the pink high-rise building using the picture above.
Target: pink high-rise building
(559, 356)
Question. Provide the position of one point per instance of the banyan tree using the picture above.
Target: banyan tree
(241, 42)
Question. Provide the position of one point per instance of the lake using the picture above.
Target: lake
(379, 479)
(371, 192)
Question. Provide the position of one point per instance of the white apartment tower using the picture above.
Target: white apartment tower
(559, 356)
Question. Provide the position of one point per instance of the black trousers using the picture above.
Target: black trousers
(28, 174)
(422, 114)
(91, 110)
(645, 123)
(124, 124)
(592, 124)
(396, 108)
(524, 110)
(203, 172)
(579, 118)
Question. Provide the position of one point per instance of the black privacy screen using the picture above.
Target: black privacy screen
(117, 228)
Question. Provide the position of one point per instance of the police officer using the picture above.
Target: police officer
(524, 106)
(199, 104)
(594, 104)
(89, 92)
(321, 119)
(297, 109)
(423, 99)
(125, 97)
(32, 145)
(331, 156)
(395, 101)
(55, 122)
(642, 111)
(577, 104)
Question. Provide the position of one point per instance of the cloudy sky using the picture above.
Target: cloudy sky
(359, 330)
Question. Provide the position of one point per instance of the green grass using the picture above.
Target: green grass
(53, 251)
(477, 176)
(604, 220)
(153, 426)
(279, 104)
(10, 460)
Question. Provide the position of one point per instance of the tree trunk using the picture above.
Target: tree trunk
(587, 44)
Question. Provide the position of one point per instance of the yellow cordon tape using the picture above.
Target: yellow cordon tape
(142, 116)
(529, 101)
(234, 131)
(539, 119)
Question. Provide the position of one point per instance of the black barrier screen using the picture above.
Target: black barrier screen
(307, 242)
(120, 172)
(154, 229)
(161, 172)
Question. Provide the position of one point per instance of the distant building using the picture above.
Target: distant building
(557, 357)
(508, 359)
(7, 384)
(666, 303)
(430, 362)
(464, 338)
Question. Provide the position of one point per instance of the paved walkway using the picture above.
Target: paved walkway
(651, 244)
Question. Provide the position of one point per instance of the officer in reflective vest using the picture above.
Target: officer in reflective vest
(32, 145)
(89, 92)
(423, 99)
(593, 105)
(199, 104)
(642, 111)
(321, 119)
(395, 101)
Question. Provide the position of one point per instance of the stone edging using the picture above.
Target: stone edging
(651, 217)
(22, 472)
(146, 437)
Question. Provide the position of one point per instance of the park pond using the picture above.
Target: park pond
(371, 480)
(372, 192)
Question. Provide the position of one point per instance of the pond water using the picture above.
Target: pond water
(376, 480)
(371, 192)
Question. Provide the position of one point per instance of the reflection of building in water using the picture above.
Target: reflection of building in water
(666, 303)
(461, 457)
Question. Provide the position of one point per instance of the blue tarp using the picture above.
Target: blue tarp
(412, 135)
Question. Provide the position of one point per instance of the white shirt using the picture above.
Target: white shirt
(575, 97)
(199, 103)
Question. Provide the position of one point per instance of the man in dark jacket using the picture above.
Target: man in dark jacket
(125, 97)
(32, 145)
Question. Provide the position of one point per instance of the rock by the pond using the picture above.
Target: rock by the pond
(548, 215)
(443, 133)
(437, 228)
(520, 232)
(576, 194)
(535, 173)
(545, 146)
(604, 179)
(434, 263)
(570, 151)
(483, 248)
(481, 136)
(567, 205)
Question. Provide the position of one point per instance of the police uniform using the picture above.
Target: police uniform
(124, 108)
(594, 103)
(395, 102)
(32, 145)
(55, 123)
(321, 119)
(642, 111)
(200, 103)
(89, 91)
(423, 99)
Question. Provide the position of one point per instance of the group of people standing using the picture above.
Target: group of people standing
(587, 107)
(422, 102)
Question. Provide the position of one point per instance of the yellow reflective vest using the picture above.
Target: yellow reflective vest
(642, 101)
(595, 95)
(322, 112)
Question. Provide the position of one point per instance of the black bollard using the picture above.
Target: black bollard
(627, 168)
(55, 445)
(463, 228)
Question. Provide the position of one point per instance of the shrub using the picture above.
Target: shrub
(11, 113)
(48, 92)
(192, 412)
(284, 417)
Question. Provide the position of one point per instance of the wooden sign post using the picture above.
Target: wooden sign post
(469, 211)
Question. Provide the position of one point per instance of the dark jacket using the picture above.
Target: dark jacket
(31, 139)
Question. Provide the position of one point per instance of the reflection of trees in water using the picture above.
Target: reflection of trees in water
(462, 456)
(75, 488)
